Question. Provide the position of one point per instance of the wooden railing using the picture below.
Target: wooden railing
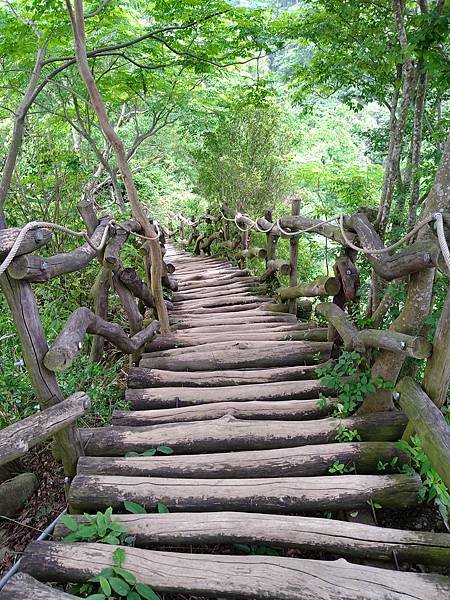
(230, 232)
(135, 296)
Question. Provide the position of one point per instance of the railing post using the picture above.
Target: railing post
(295, 211)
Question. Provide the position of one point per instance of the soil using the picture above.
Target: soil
(42, 508)
(49, 501)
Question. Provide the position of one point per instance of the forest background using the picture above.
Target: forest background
(345, 103)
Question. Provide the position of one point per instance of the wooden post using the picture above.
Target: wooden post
(295, 211)
(271, 240)
(24, 309)
(244, 245)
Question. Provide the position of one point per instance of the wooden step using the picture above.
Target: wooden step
(304, 461)
(170, 397)
(225, 301)
(23, 587)
(191, 339)
(354, 540)
(140, 377)
(249, 577)
(228, 434)
(282, 495)
(279, 410)
(244, 357)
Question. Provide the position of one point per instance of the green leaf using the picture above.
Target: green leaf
(119, 556)
(110, 539)
(133, 596)
(120, 586)
(96, 597)
(131, 454)
(87, 531)
(165, 449)
(129, 577)
(104, 584)
(134, 507)
(70, 522)
(146, 592)
(149, 452)
(162, 508)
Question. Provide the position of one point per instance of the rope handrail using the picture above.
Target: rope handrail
(437, 217)
(111, 224)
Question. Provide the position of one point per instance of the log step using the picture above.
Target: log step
(228, 434)
(23, 587)
(244, 357)
(139, 377)
(281, 410)
(304, 461)
(282, 495)
(249, 577)
(354, 540)
(170, 397)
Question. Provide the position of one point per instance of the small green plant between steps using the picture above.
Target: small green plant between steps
(101, 527)
(340, 469)
(347, 435)
(151, 452)
(433, 489)
(352, 381)
(114, 582)
(138, 509)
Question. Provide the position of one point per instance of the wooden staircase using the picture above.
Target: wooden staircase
(233, 392)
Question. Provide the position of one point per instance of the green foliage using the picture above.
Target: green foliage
(338, 468)
(257, 550)
(138, 509)
(352, 381)
(347, 435)
(151, 451)
(433, 490)
(101, 527)
(115, 582)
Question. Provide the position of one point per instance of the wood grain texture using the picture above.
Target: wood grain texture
(282, 495)
(228, 434)
(331, 536)
(304, 461)
(23, 587)
(18, 438)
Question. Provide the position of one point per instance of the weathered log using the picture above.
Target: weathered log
(430, 424)
(323, 286)
(437, 372)
(87, 212)
(274, 307)
(348, 277)
(33, 239)
(139, 377)
(233, 320)
(300, 223)
(170, 282)
(414, 346)
(69, 342)
(38, 269)
(354, 540)
(217, 346)
(112, 250)
(23, 587)
(15, 492)
(339, 319)
(18, 438)
(293, 254)
(252, 304)
(304, 309)
(25, 312)
(205, 245)
(249, 577)
(100, 296)
(228, 434)
(253, 252)
(218, 282)
(276, 265)
(202, 293)
(415, 258)
(305, 461)
(130, 278)
(230, 300)
(282, 495)
(308, 353)
(170, 397)
(192, 339)
(279, 410)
